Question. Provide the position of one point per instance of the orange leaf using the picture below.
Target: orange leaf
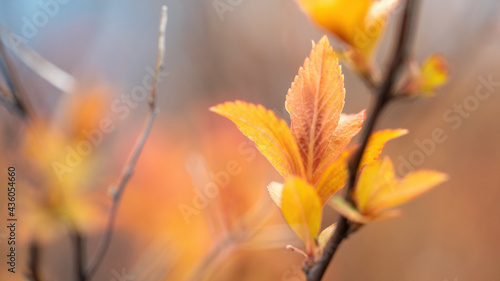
(315, 101)
(271, 134)
(301, 208)
(349, 126)
(377, 143)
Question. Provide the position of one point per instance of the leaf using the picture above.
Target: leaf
(349, 126)
(315, 101)
(347, 210)
(301, 208)
(333, 179)
(372, 180)
(345, 18)
(413, 185)
(381, 9)
(275, 191)
(325, 235)
(377, 142)
(423, 80)
(434, 73)
(271, 134)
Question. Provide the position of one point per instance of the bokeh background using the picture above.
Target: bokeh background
(252, 51)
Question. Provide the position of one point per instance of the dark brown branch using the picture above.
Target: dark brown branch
(79, 244)
(136, 152)
(384, 95)
(34, 262)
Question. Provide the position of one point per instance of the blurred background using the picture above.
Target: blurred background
(220, 50)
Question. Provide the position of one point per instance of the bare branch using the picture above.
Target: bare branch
(34, 262)
(42, 67)
(117, 192)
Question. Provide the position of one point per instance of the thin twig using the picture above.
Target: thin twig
(79, 254)
(384, 95)
(129, 169)
(13, 98)
(34, 262)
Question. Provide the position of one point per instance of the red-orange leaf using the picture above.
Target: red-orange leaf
(315, 101)
(349, 126)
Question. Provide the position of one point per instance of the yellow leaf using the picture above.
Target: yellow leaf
(372, 180)
(433, 73)
(377, 143)
(301, 208)
(411, 186)
(315, 101)
(378, 190)
(275, 191)
(271, 134)
(345, 18)
(347, 210)
(325, 235)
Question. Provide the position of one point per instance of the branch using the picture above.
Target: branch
(33, 265)
(11, 95)
(79, 254)
(384, 95)
(129, 169)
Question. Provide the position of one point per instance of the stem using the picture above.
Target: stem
(34, 265)
(12, 95)
(79, 255)
(136, 152)
(385, 93)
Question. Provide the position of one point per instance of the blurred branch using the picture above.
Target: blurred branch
(79, 255)
(384, 94)
(117, 192)
(12, 94)
(34, 262)
(42, 67)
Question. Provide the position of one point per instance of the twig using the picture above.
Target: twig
(129, 169)
(384, 95)
(12, 97)
(33, 265)
(79, 254)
